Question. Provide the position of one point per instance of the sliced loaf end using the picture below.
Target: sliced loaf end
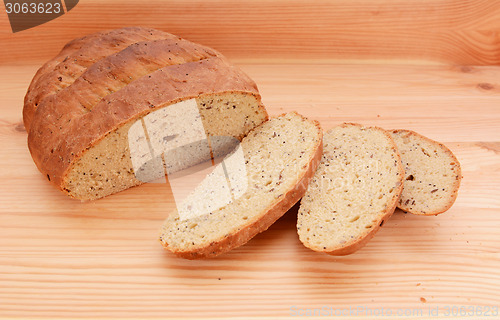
(280, 156)
(432, 175)
(107, 168)
(355, 189)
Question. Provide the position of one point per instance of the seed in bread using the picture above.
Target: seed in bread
(280, 156)
(355, 189)
(432, 176)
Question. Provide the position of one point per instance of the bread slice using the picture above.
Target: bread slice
(280, 157)
(355, 189)
(81, 106)
(432, 176)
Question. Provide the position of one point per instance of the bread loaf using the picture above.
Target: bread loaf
(355, 189)
(81, 105)
(432, 176)
(280, 157)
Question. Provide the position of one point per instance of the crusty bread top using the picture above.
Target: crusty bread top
(76, 56)
(355, 188)
(70, 121)
(433, 174)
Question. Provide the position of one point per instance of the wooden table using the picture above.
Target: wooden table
(61, 258)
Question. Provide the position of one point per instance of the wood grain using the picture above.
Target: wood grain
(61, 258)
(462, 32)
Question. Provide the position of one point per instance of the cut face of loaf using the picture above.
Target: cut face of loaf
(280, 157)
(107, 167)
(81, 105)
(355, 189)
(432, 176)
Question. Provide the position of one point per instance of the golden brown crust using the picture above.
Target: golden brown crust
(362, 240)
(68, 49)
(74, 59)
(273, 213)
(137, 60)
(62, 129)
(456, 168)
